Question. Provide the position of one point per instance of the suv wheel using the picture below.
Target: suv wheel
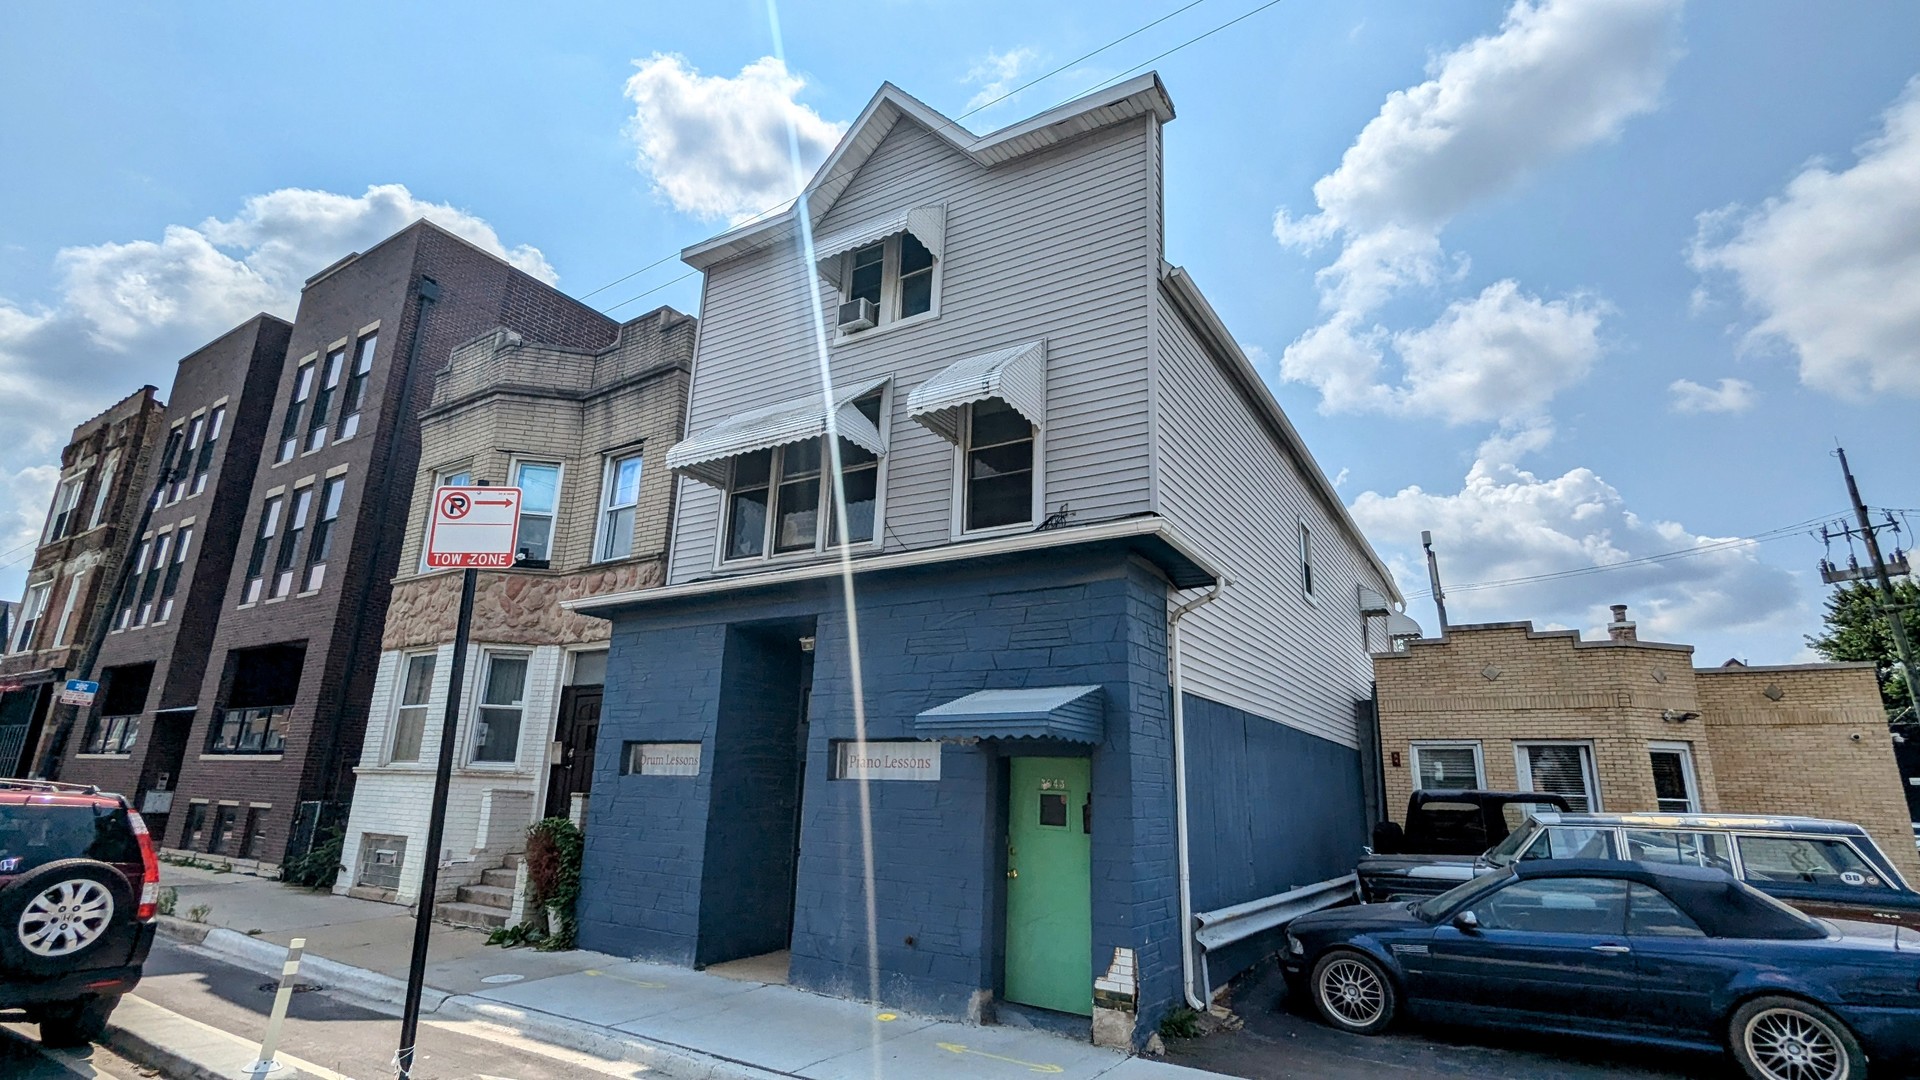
(54, 917)
(77, 1023)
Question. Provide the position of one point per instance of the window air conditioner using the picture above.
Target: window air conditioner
(858, 314)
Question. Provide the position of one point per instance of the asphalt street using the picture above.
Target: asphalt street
(349, 1039)
(21, 1058)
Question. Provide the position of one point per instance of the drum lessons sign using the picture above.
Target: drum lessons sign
(886, 760)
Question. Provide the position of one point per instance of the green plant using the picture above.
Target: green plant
(1181, 1023)
(524, 933)
(321, 864)
(168, 900)
(554, 847)
(199, 913)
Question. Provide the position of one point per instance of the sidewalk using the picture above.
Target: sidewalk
(673, 1021)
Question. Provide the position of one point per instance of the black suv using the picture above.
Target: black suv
(79, 886)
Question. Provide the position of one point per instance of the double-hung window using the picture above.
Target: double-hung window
(171, 582)
(1562, 768)
(177, 488)
(356, 396)
(290, 542)
(65, 625)
(619, 498)
(782, 501)
(156, 567)
(410, 715)
(168, 457)
(320, 548)
(998, 456)
(323, 400)
(1444, 765)
(860, 479)
(103, 489)
(1673, 784)
(895, 275)
(131, 599)
(539, 484)
(64, 521)
(290, 427)
(262, 546)
(203, 461)
(31, 611)
(503, 690)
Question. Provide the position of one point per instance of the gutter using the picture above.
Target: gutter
(1188, 942)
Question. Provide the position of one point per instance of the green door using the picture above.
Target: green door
(1049, 895)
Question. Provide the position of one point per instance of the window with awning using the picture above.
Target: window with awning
(890, 263)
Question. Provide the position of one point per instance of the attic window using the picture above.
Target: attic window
(895, 275)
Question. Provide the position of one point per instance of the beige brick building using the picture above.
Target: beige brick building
(1629, 725)
(584, 435)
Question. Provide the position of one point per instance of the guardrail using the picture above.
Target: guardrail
(1214, 929)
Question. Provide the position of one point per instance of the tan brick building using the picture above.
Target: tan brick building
(583, 433)
(1629, 725)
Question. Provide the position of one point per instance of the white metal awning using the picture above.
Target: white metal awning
(928, 224)
(1016, 375)
(704, 457)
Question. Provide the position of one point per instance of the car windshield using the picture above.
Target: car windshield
(1431, 909)
(1509, 849)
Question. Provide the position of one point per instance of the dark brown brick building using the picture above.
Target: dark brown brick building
(95, 503)
(288, 668)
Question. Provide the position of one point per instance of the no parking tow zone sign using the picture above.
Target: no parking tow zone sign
(473, 528)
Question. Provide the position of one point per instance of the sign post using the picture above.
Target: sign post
(469, 528)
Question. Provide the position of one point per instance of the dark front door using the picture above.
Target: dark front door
(578, 727)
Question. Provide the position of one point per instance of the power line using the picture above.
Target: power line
(1781, 533)
(1184, 44)
(669, 257)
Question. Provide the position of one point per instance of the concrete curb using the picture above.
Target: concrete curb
(181, 1048)
(668, 1060)
(370, 988)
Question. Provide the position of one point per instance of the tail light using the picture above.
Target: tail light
(150, 869)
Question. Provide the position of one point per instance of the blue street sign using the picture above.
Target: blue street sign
(82, 686)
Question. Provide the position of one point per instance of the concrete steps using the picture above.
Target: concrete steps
(487, 905)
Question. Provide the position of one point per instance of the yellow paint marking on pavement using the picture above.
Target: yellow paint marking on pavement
(956, 1048)
(318, 1072)
(624, 979)
(884, 1017)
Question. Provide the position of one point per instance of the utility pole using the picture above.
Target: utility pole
(1890, 601)
(1433, 576)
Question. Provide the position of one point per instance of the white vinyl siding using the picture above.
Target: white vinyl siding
(1263, 646)
(1056, 246)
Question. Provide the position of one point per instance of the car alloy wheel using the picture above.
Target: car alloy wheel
(66, 918)
(1787, 1044)
(1351, 991)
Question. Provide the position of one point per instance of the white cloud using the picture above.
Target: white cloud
(1559, 75)
(1832, 265)
(1731, 396)
(719, 147)
(1508, 522)
(998, 72)
(124, 313)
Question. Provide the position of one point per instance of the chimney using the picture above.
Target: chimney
(1620, 629)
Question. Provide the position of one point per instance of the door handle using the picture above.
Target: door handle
(1612, 950)
(1013, 873)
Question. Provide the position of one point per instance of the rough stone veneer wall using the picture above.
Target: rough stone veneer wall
(1499, 683)
(522, 607)
(1808, 739)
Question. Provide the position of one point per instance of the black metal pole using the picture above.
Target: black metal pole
(436, 825)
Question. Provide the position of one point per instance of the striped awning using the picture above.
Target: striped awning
(1016, 375)
(1069, 713)
(705, 457)
(928, 224)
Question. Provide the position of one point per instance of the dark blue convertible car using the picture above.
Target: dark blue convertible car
(1678, 955)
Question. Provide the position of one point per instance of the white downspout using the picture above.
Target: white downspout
(1197, 1002)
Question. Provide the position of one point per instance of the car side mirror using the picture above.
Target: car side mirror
(1467, 922)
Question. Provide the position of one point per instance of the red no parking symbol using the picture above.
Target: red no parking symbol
(455, 505)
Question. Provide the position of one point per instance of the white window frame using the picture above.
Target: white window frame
(485, 672)
(609, 469)
(103, 489)
(959, 509)
(823, 543)
(66, 610)
(559, 468)
(1479, 758)
(1523, 769)
(1692, 778)
(400, 703)
(889, 306)
(442, 477)
(30, 615)
(71, 488)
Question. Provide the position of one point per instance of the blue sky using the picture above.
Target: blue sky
(1498, 261)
